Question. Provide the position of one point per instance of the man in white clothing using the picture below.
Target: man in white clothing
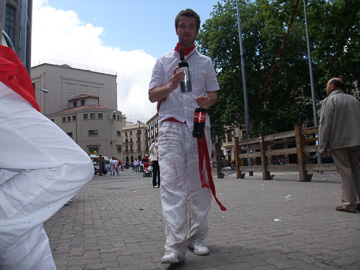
(185, 203)
(41, 169)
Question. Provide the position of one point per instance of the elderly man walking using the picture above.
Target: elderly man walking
(339, 133)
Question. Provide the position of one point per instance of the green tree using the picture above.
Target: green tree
(334, 36)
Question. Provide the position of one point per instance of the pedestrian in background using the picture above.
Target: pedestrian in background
(113, 164)
(141, 166)
(339, 135)
(119, 166)
(136, 165)
(104, 171)
(154, 153)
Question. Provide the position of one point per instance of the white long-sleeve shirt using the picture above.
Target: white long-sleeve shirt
(180, 105)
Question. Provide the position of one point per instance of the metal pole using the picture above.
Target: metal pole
(311, 77)
(44, 96)
(76, 128)
(247, 124)
(23, 19)
(310, 67)
(139, 140)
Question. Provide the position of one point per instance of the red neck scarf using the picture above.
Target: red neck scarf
(14, 75)
(185, 49)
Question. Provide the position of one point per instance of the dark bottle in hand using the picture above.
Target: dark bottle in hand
(199, 122)
(185, 85)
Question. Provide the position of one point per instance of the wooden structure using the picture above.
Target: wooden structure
(299, 144)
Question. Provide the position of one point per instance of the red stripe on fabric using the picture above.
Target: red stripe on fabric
(201, 163)
(172, 119)
(204, 155)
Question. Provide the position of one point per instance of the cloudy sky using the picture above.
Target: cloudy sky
(118, 35)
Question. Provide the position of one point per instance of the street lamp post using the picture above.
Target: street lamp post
(318, 155)
(247, 121)
(139, 138)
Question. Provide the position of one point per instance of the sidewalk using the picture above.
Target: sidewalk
(116, 223)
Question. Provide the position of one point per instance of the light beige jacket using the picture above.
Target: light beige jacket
(339, 121)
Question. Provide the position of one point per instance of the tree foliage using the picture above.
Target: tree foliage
(334, 35)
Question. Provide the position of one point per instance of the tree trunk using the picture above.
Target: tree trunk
(219, 163)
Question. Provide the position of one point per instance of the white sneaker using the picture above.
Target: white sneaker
(200, 248)
(170, 257)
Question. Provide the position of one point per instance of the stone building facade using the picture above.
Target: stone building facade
(15, 25)
(83, 103)
(135, 141)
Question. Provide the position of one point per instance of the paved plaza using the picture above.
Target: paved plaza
(116, 223)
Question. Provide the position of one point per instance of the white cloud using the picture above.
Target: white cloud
(60, 35)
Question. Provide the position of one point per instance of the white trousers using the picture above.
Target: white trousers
(31, 251)
(41, 168)
(185, 204)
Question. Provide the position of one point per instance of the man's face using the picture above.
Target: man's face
(329, 88)
(186, 31)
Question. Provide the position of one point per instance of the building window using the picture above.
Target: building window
(85, 116)
(70, 134)
(119, 149)
(64, 119)
(100, 116)
(92, 115)
(93, 149)
(229, 136)
(74, 117)
(69, 118)
(93, 133)
(130, 133)
(75, 104)
(10, 22)
(118, 133)
(82, 102)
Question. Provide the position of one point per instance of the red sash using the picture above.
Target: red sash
(14, 75)
(204, 155)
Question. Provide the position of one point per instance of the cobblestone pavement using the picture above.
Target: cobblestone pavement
(116, 223)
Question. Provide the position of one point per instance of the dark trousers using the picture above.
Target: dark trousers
(156, 172)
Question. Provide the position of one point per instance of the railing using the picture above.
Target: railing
(301, 143)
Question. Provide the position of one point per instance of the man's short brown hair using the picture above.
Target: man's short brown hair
(188, 13)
